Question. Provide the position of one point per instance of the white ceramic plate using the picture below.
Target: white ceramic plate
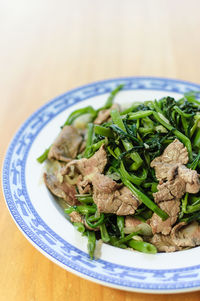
(42, 221)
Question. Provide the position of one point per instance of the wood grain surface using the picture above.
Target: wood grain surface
(48, 47)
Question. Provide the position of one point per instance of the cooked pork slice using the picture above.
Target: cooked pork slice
(182, 236)
(84, 186)
(110, 198)
(104, 115)
(66, 145)
(104, 189)
(191, 179)
(172, 208)
(131, 222)
(175, 179)
(129, 202)
(186, 235)
(175, 152)
(164, 243)
(165, 171)
(61, 190)
(186, 180)
(75, 217)
(170, 190)
(88, 167)
(85, 169)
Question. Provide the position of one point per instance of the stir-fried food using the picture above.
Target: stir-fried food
(130, 177)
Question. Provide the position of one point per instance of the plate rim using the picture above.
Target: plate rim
(9, 153)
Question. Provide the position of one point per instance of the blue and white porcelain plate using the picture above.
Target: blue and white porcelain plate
(41, 220)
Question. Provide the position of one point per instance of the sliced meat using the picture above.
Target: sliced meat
(104, 189)
(175, 152)
(110, 198)
(85, 169)
(182, 236)
(61, 190)
(165, 171)
(172, 208)
(164, 243)
(104, 115)
(105, 184)
(75, 217)
(88, 167)
(175, 179)
(131, 222)
(167, 243)
(129, 203)
(84, 186)
(170, 190)
(66, 145)
(185, 180)
(186, 235)
(191, 179)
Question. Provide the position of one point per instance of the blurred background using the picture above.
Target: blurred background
(48, 47)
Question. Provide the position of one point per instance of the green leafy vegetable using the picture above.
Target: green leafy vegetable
(91, 243)
(44, 156)
(142, 246)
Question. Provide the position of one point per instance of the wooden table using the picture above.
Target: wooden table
(48, 47)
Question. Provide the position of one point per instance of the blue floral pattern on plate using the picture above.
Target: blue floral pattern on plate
(44, 238)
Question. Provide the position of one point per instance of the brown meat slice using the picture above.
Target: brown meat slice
(172, 208)
(66, 145)
(110, 198)
(175, 152)
(191, 179)
(175, 179)
(104, 115)
(165, 171)
(182, 236)
(164, 243)
(87, 168)
(131, 222)
(104, 189)
(167, 243)
(84, 185)
(170, 190)
(186, 180)
(61, 190)
(186, 235)
(75, 217)
(129, 202)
